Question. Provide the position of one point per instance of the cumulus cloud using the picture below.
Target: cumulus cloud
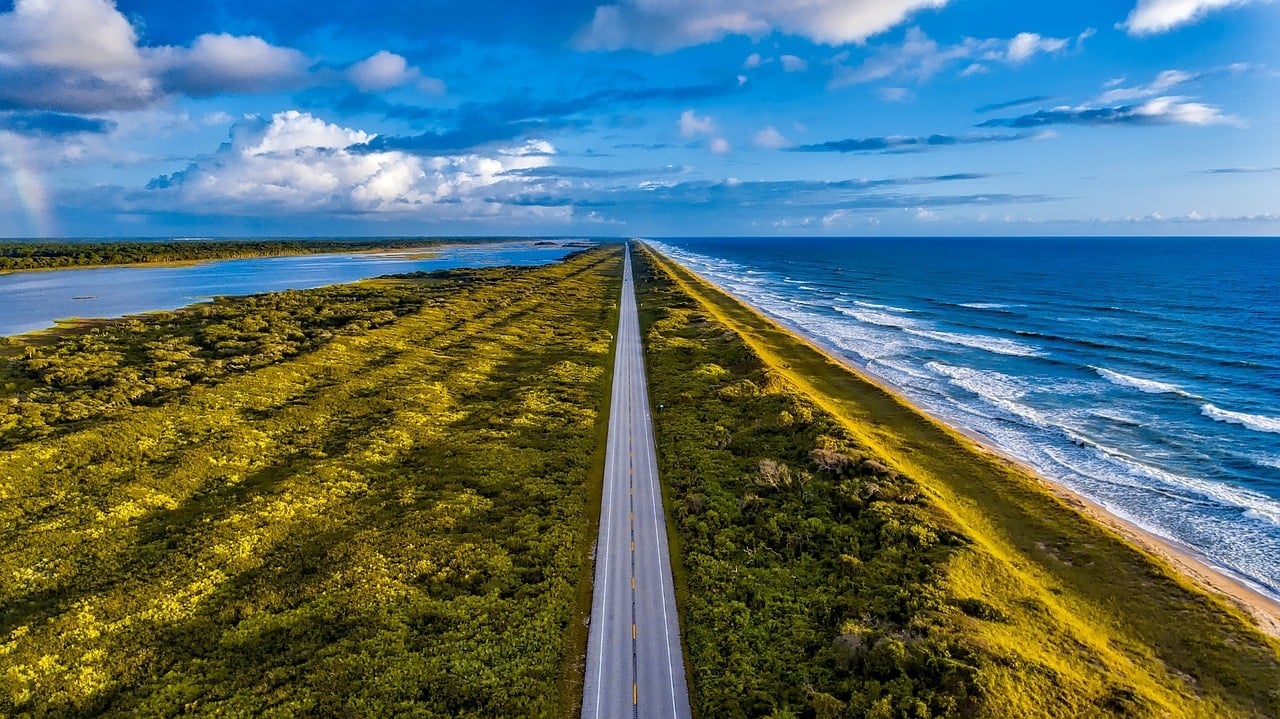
(82, 56)
(692, 124)
(224, 63)
(770, 139)
(720, 146)
(295, 162)
(385, 71)
(71, 56)
(666, 25)
(920, 57)
(1151, 17)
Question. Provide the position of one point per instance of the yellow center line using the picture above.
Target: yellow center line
(635, 694)
(633, 631)
(633, 582)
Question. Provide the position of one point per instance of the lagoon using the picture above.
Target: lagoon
(36, 300)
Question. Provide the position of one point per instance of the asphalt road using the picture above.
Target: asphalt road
(635, 667)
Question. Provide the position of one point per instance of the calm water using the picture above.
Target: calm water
(34, 300)
(1144, 374)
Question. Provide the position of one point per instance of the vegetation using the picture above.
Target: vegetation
(45, 255)
(845, 556)
(361, 501)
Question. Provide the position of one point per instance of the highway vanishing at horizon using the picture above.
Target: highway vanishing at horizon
(635, 665)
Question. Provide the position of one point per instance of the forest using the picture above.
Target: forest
(838, 554)
(369, 500)
(47, 255)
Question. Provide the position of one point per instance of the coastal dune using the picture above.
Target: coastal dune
(1088, 617)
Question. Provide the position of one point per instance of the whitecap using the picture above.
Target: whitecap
(877, 318)
(1149, 386)
(1255, 422)
(874, 306)
(997, 345)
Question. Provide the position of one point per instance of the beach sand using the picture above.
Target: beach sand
(1264, 609)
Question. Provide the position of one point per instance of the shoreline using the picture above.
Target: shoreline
(1185, 561)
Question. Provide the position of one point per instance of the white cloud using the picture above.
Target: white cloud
(720, 146)
(1151, 17)
(1163, 82)
(295, 162)
(920, 57)
(88, 35)
(895, 94)
(770, 139)
(692, 124)
(72, 56)
(665, 25)
(228, 63)
(84, 56)
(1026, 44)
(753, 61)
(385, 71)
(1182, 111)
(791, 63)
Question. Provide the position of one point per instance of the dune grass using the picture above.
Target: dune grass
(1056, 614)
(387, 514)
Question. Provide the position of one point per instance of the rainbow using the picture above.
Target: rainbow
(29, 183)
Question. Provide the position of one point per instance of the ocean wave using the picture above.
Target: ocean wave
(874, 306)
(877, 318)
(987, 305)
(995, 388)
(997, 345)
(1255, 422)
(1265, 460)
(1149, 386)
(1119, 468)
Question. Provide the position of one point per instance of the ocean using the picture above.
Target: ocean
(1141, 373)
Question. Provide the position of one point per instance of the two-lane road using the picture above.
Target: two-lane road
(635, 667)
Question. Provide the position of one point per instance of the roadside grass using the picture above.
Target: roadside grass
(387, 518)
(1057, 614)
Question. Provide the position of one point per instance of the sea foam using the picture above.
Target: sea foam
(1255, 422)
(997, 345)
(1149, 386)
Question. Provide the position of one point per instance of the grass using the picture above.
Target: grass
(1064, 617)
(389, 517)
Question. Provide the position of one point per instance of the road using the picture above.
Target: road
(635, 667)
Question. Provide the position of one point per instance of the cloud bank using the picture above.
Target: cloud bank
(295, 162)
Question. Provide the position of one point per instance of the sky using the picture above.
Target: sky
(154, 118)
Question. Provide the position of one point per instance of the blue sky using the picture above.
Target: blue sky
(641, 117)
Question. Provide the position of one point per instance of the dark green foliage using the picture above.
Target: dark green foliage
(389, 522)
(104, 368)
(813, 574)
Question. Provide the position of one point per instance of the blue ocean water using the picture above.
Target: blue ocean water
(35, 300)
(1142, 373)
